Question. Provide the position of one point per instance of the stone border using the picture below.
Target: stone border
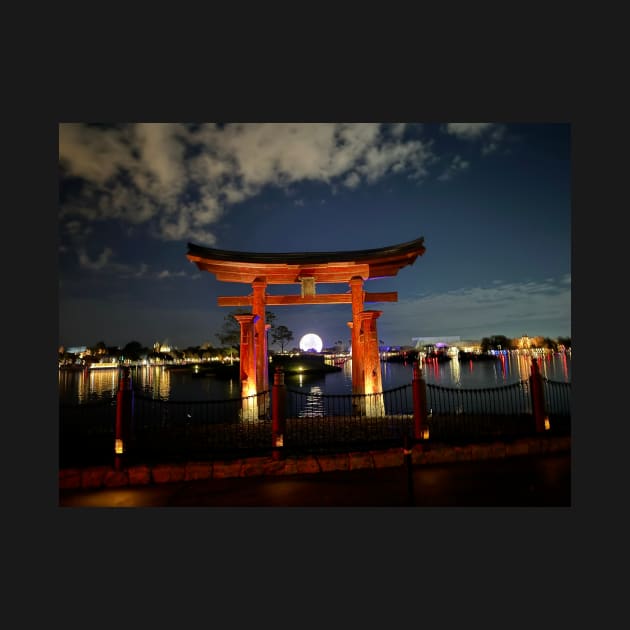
(422, 454)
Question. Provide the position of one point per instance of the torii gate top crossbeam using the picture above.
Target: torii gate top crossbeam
(294, 267)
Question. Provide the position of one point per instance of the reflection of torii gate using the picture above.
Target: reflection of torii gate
(307, 269)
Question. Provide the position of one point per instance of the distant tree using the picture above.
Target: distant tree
(564, 341)
(99, 348)
(178, 355)
(495, 342)
(549, 344)
(230, 333)
(192, 353)
(270, 318)
(134, 351)
(163, 356)
(230, 351)
(281, 334)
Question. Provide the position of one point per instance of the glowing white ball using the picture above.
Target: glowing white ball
(311, 341)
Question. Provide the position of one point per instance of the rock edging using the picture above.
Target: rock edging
(421, 454)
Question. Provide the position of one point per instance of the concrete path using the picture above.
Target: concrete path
(541, 480)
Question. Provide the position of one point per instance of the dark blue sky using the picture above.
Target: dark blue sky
(492, 201)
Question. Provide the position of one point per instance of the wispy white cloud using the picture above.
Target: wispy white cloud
(352, 180)
(490, 134)
(101, 261)
(467, 131)
(105, 263)
(457, 164)
(493, 139)
(502, 308)
(170, 274)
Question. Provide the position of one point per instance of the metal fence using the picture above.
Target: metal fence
(558, 404)
(313, 422)
(177, 430)
(86, 432)
(317, 421)
(462, 414)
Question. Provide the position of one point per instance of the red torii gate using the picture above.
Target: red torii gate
(308, 270)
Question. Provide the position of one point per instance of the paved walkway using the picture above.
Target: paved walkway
(531, 480)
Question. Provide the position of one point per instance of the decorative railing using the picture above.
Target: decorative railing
(316, 421)
(141, 428)
(86, 432)
(198, 429)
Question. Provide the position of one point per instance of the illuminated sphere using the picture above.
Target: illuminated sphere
(311, 341)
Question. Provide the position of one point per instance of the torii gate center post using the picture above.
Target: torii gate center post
(307, 269)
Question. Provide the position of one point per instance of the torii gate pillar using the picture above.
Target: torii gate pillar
(371, 359)
(356, 289)
(248, 365)
(260, 331)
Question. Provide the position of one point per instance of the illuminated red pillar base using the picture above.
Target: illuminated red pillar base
(372, 379)
(249, 410)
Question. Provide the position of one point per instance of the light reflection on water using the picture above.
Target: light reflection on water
(504, 370)
(163, 384)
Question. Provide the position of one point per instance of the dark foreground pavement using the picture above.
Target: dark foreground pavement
(542, 480)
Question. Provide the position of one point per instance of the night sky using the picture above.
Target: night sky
(492, 201)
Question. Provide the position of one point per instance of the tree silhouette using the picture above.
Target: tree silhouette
(281, 334)
(230, 333)
(134, 350)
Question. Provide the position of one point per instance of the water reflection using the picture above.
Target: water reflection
(455, 371)
(505, 369)
(313, 405)
(154, 381)
(85, 385)
(160, 383)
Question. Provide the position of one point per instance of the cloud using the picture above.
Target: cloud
(397, 130)
(457, 164)
(104, 264)
(467, 131)
(101, 261)
(502, 308)
(490, 133)
(352, 181)
(138, 174)
(170, 274)
(493, 139)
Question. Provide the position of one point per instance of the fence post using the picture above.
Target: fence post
(124, 416)
(420, 415)
(278, 412)
(541, 421)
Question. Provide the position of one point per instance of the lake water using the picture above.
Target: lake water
(164, 384)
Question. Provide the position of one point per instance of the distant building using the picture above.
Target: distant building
(464, 345)
(421, 342)
(76, 350)
(161, 346)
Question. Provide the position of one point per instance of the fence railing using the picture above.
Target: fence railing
(315, 421)
(141, 428)
(197, 429)
(86, 432)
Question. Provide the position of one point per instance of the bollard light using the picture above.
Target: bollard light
(547, 425)
(118, 446)
(279, 440)
(425, 433)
